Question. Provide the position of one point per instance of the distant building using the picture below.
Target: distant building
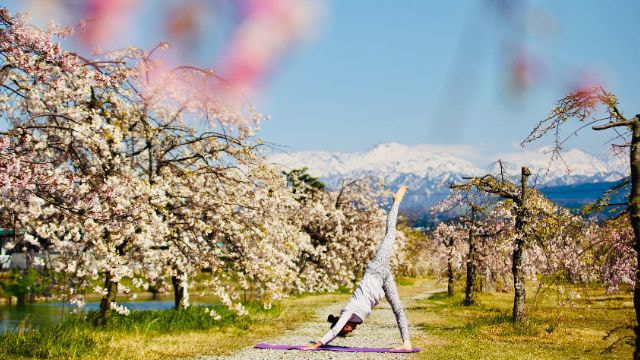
(11, 259)
(5, 259)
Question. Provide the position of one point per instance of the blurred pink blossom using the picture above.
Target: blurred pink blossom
(266, 31)
(526, 70)
(105, 20)
(586, 79)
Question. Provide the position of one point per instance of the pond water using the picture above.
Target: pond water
(50, 313)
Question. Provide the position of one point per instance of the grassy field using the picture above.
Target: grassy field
(484, 331)
(161, 334)
(447, 330)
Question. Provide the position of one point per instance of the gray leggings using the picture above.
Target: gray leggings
(380, 266)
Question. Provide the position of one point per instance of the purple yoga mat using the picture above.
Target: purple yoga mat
(334, 348)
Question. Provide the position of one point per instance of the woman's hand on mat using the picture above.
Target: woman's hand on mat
(406, 346)
(397, 197)
(314, 346)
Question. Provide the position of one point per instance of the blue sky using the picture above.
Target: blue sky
(437, 71)
(382, 71)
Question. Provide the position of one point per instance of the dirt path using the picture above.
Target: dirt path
(380, 330)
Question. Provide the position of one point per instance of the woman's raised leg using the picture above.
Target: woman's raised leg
(383, 255)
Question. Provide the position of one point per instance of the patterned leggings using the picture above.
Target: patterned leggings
(380, 266)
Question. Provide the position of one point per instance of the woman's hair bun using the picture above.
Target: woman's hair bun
(332, 319)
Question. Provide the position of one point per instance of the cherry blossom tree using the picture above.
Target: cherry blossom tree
(417, 253)
(494, 247)
(85, 127)
(92, 207)
(451, 249)
(128, 170)
(345, 228)
(598, 108)
(533, 212)
(614, 253)
(485, 228)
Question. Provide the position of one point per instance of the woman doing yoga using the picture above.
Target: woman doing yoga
(376, 282)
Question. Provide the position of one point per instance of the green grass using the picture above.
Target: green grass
(485, 330)
(405, 281)
(445, 328)
(159, 334)
(59, 342)
(77, 337)
(192, 318)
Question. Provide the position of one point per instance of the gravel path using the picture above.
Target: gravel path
(380, 330)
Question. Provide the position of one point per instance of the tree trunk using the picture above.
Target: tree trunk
(155, 288)
(450, 274)
(516, 266)
(180, 295)
(21, 300)
(471, 268)
(634, 214)
(154, 292)
(518, 282)
(104, 312)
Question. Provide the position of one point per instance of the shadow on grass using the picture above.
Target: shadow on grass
(478, 318)
(440, 296)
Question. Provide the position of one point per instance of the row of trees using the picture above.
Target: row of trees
(561, 245)
(127, 170)
(511, 232)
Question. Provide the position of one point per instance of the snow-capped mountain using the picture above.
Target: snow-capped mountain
(429, 169)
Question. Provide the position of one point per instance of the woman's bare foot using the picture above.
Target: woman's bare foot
(397, 197)
(406, 346)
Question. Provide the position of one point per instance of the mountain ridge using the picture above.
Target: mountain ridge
(428, 169)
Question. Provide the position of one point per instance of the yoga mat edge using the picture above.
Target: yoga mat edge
(333, 348)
